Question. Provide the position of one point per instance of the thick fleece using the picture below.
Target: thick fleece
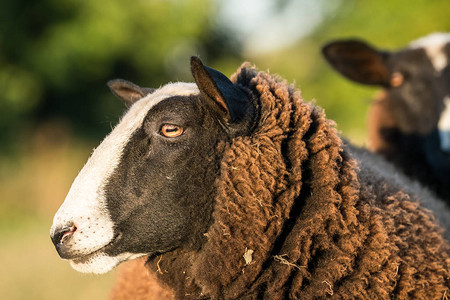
(301, 215)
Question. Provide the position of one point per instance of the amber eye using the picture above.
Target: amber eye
(171, 131)
(397, 79)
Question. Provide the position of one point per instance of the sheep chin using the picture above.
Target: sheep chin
(100, 262)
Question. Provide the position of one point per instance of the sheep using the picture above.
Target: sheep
(409, 121)
(238, 189)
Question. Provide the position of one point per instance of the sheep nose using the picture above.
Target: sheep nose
(61, 235)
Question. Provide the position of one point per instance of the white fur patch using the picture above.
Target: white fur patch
(101, 263)
(444, 126)
(434, 47)
(85, 204)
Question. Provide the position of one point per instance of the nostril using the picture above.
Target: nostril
(68, 233)
(63, 234)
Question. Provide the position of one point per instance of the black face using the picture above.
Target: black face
(419, 99)
(162, 191)
(161, 196)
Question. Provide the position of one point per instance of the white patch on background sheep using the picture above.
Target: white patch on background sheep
(444, 126)
(85, 204)
(434, 46)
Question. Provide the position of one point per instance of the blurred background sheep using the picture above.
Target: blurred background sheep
(55, 60)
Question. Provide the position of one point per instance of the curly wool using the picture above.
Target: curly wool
(296, 216)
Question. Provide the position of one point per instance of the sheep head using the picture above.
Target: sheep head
(415, 103)
(148, 188)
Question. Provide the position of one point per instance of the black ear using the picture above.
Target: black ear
(230, 100)
(127, 91)
(358, 61)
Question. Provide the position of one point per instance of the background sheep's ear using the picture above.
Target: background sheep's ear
(127, 91)
(231, 101)
(358, 61)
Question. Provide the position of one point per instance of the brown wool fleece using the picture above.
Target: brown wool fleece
(299, 216)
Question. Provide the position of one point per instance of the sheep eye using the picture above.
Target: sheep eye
(171, 131)
(397, 79)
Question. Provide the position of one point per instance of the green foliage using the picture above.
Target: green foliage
(56, 56)
(387, 23)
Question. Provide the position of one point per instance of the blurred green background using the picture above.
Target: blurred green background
(56, 56)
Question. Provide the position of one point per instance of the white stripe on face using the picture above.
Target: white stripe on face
(434, 46)
(444, 126)
(85, 204)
